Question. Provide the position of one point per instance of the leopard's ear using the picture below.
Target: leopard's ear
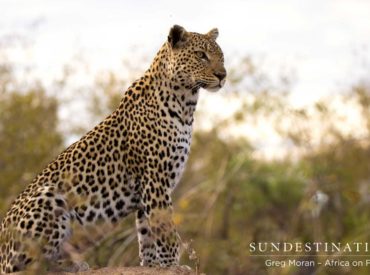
(213, 33)
(177, 36)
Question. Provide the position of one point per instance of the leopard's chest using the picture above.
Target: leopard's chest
(179, 157)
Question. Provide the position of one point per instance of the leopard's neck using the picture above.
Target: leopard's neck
(157, 92)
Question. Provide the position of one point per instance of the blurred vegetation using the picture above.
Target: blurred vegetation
(319, 190)
(29, 138)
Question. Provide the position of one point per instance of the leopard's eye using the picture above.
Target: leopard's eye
(201, 55)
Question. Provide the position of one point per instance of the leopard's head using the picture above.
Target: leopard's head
(196, 60)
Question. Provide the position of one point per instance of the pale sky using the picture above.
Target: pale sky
(325, 43)
(316, 39)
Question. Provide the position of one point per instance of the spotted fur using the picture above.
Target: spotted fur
(130, 162)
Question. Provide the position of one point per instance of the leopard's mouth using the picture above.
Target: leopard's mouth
(215, 88)
(212, 87)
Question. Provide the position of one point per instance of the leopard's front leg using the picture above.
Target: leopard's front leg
(159, 242)
(147, 249)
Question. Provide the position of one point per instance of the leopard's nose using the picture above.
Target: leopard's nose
(220, 75)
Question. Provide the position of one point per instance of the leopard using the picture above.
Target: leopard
(130, 163)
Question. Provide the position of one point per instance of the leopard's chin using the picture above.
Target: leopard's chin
(213, 89)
